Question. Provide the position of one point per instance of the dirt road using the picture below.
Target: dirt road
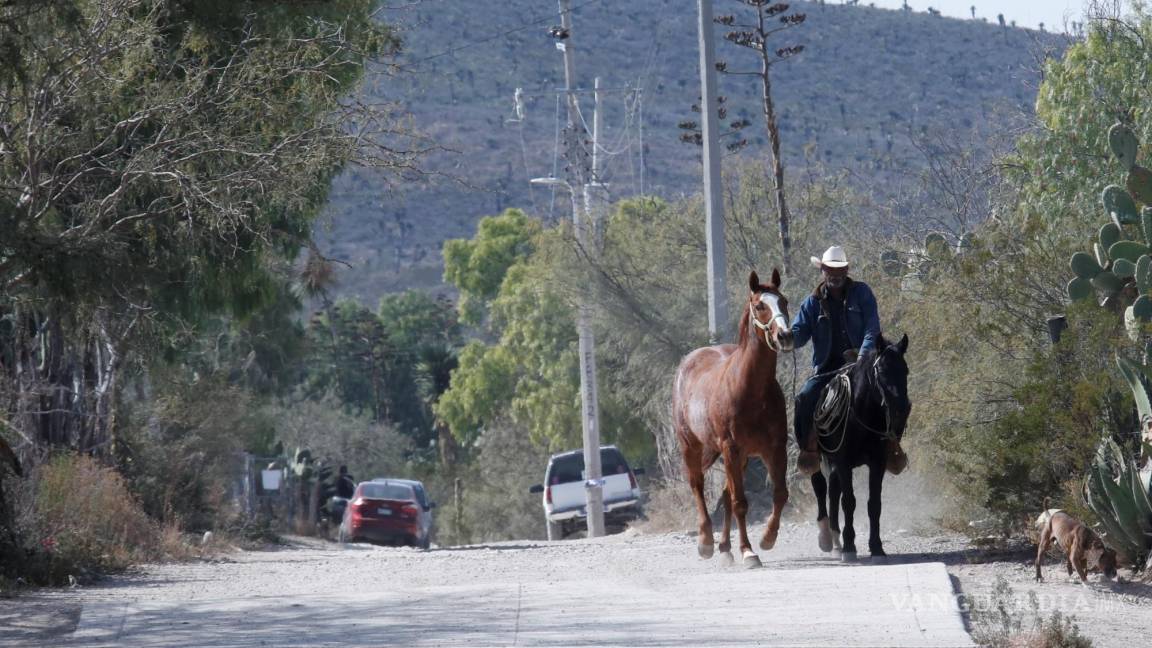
(627, 590)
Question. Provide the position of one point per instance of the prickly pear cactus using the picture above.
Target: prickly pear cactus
(1119, 271)
(891, 263)
(1123, 143)
(915, 267)
(936, 247)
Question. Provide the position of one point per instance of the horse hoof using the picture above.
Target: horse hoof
(824, 539)
(766, 543)
(726, 559)
(751, 560)
(879, 558)
(848, 557)
(836, 542)
(705, 550)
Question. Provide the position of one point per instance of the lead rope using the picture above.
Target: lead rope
(834, 411)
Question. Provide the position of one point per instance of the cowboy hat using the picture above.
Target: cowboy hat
(834, 257)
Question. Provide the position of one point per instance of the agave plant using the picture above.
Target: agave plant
(1118, 494)
(1115, 488)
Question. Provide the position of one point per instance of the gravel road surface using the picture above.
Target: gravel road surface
(633, 589)
(624, 590)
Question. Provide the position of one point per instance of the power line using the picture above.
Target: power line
(488, 39)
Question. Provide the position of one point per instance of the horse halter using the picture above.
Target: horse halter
(773, 302)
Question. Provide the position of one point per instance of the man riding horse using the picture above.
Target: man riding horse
(841, 319)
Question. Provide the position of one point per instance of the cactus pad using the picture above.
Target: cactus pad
(1084, 265)
(1108, 282)
(1101, 255)
(1142, 308)
(1139, 184)
(1119, 205)
(1109, 234)
(1124, 268)
(1144, 273)
(1130, 250)
(1079, 289)
(1123, 143)
(1131, 324)
(891, 263)
(936, 246)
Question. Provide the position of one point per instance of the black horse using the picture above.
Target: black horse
(861, 409)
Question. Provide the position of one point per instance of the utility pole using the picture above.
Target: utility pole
(713, 196)
(584, 226)
(595, 199)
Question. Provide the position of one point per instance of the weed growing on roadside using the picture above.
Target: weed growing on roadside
(1004, 623)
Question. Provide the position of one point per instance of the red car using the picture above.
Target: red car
(390, 511)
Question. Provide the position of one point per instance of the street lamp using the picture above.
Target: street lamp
(551, 182)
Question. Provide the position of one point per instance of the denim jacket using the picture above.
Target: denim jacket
(862, 321)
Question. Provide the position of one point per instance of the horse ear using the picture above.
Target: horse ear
(902, 345)
(775, 278)
(753, 282)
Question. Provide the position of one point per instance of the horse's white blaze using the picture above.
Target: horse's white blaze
(773, 303)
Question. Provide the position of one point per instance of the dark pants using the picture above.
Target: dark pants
(806, 402)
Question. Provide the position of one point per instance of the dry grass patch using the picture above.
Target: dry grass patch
(76, 517)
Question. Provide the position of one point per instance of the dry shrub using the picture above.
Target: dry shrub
(82, 517)
(495, 502)
(185, 449)
(671, 507)
(1014, 621)
(1057, 631)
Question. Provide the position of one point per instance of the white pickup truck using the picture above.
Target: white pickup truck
(564, 498)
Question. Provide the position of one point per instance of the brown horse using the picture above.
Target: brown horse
(727, 404)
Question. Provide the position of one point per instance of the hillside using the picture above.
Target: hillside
(867, 82)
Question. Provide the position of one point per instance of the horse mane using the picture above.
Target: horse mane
(862, 372)
(742, 336)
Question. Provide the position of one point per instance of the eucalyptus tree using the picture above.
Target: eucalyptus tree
(159, 160)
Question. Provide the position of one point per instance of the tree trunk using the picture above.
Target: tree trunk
(774, 140)
(447, 445)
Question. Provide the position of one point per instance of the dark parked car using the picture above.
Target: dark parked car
(389, 511)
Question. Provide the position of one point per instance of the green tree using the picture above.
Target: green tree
(529, 375)
(477, 266)
(159, 158)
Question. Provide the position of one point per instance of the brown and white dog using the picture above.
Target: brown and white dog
(1083, 549)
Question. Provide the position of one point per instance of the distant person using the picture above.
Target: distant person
(345, 485)
(842, 320)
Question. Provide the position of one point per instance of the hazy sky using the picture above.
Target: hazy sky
(1026, 13)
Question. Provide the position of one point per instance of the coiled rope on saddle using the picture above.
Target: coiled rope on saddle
(832, 412)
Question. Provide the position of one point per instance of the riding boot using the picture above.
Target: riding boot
(808, 463)
(897, 459)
